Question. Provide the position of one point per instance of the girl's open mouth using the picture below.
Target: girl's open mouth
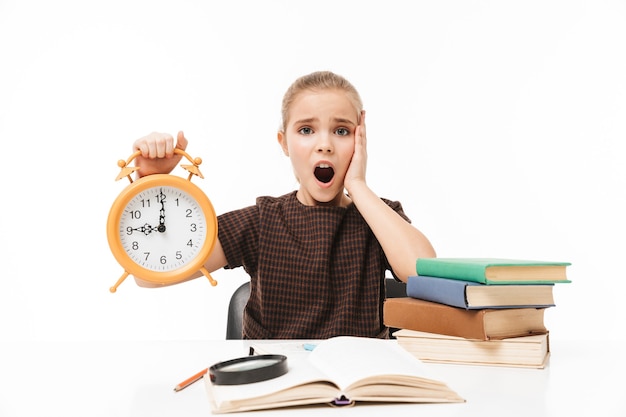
(324, 173)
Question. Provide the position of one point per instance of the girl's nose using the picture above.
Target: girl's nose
(324, 144)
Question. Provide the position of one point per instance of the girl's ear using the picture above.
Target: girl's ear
(282, 140)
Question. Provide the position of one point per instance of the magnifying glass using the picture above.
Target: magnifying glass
(248, 369)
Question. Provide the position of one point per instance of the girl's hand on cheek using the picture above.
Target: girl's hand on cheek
(358, 164)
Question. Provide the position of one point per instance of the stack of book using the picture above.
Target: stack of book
(482, 311)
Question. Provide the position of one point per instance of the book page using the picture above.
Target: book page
(347, 360)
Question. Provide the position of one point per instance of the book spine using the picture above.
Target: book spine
(439, 290)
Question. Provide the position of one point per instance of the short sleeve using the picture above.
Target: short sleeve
(238, 233)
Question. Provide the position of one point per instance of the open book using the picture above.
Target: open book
(341, 370)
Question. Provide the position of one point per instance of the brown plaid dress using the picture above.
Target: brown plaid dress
(315, 271)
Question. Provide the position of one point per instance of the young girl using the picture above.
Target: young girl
(316, 256)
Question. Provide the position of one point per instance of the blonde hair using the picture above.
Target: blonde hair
(318, 81)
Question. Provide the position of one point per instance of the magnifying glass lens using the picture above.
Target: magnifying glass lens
(245, 366)
(248, 369)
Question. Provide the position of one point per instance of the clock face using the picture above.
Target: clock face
(163, 228)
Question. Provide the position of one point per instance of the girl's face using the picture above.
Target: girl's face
(319, 140)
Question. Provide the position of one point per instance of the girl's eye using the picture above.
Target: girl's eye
(342, 131)
(305, 130)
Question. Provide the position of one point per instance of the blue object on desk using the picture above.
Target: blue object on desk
(309, 346)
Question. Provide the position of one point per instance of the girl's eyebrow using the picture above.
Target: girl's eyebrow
(338, 120)
(305, 121)
(344, 121)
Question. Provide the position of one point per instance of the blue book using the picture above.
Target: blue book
(473, 295)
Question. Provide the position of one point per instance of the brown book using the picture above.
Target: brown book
(486, 324)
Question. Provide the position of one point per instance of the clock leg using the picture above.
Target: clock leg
(119, 281)
(206, 274)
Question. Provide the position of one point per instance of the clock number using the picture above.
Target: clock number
(189, 212)
(145, 203)
(135, 245)
(190, 243)
(193, 227)
(129, 230)
(179, 255)
(135, 214)
(163, 260)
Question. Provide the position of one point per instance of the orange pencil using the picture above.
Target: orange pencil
(190, 380)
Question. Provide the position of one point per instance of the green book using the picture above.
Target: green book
(494, 271)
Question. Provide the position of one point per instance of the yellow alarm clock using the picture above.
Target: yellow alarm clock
(161, 228)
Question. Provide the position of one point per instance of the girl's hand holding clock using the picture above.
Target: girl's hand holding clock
(157, 153)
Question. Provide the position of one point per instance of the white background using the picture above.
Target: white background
(499, 125)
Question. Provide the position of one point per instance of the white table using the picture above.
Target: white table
(137, 379)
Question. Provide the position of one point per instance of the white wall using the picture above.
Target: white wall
(499, 125)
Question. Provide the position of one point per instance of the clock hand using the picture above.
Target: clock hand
(161, 227)
(146, 229)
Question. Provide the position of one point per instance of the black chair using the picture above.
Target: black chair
(234, 322)
(394, 288)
